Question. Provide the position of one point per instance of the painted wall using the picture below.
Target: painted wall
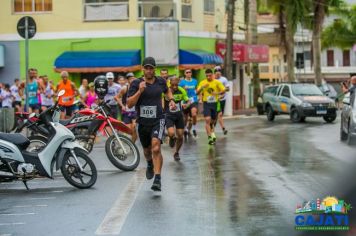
(11, 70)
(68, 15)
(44, 52)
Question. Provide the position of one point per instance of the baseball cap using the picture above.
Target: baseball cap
(130, 74)
(149, 61)
(110, 75)
(91, 84)
(217, 68)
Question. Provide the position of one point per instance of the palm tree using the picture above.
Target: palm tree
(251, 22)
(290, 13)
(342, 32)
(320, 9)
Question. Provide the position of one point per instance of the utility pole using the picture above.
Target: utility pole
(229, 39)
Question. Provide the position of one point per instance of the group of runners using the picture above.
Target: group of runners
(161, 105)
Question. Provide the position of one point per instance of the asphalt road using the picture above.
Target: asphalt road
(249, 183)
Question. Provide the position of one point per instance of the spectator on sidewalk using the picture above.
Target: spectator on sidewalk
(17, 94)
(6, 97)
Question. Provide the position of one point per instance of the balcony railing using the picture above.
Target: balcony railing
(106, 11)
(157, 10)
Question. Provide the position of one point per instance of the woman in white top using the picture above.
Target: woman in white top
(17, 94)
(46, 94)
(6, 97)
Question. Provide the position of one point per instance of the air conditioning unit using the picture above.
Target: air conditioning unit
(2, 55)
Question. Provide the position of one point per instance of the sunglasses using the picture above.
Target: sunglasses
(188, 72)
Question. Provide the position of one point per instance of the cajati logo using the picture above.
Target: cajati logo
(327, 214)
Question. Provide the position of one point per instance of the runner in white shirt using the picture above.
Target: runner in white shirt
(225, 82)
(6, 97)
(17, 93)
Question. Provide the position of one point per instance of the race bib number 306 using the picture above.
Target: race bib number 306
(148, 111)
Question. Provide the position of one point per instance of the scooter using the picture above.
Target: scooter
(85, 124)
(61, 152)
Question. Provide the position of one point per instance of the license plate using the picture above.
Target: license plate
(321, 112)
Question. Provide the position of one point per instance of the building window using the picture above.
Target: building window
(330, 57)
(106, 10)
(275, 69)
(307, 55)
(187, 10)
(209, 7)
(27, 6)
(264, 69)
(346, 57)
(165, 9)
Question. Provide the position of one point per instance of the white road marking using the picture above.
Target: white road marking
(116, 217)
(17, 214)
(56, 191)
(42, 198)
(24, 206)
(10, 224)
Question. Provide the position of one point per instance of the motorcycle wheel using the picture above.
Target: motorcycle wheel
(72, 173)
(37, 143)
(116, 155)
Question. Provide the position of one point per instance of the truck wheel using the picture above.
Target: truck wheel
(270, 113)
(295, 116)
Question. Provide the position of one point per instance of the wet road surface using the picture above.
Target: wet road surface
(249, 183)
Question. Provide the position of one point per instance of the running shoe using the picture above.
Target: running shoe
(156, 186)
(225, 131)
(149, 172)
(213, 136)
(176, 156)
(185, 134)
(210, 140)
(172, 141)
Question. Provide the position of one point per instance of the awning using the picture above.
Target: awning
(98, 61)
(198, 59)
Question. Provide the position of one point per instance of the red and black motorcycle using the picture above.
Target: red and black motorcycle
(85, 124)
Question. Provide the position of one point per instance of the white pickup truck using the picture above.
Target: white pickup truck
(299, 100)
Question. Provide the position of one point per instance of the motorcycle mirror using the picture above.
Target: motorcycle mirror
(32, 115)
(61, 93)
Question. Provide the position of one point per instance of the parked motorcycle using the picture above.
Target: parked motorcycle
(85, 124)
(61, 152)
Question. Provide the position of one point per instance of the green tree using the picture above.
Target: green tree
(320, 8)
(342, 32)
(251, 22)
(290, 14)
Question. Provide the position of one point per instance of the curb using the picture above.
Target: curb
(233, 117)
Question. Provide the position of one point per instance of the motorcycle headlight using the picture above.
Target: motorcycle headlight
(306, 104)
(332, 105)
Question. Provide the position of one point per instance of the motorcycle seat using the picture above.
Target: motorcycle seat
(18, 139)
(65, 122)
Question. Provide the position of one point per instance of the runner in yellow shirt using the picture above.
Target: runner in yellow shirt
(210, 89)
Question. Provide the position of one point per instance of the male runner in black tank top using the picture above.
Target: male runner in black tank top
(146, 94)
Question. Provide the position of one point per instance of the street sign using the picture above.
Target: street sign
(31, 27)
